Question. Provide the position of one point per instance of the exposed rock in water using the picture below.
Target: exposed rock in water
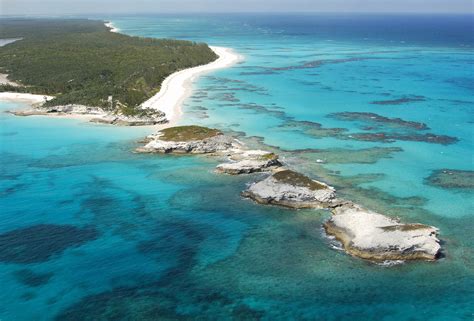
(142, 117)
(376, 237)
(189, 140)
(363, 233)
(291, 189)
(250, 161)
(132, 120)
(451, 179)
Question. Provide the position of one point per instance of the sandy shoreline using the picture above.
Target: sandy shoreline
(174, 89)
(111, 26)
(30, 99)
(178, 86)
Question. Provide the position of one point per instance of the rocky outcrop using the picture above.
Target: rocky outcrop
(250, 161)
(61, 110)
(142, 117)
(124, 120)
(291, 189)
(363, 233)
(189, 140)
(376, 237)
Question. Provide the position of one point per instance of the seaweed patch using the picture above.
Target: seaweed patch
(31, 278)
(373, 118)
(41, 242)
(399, 101)
(451, 179)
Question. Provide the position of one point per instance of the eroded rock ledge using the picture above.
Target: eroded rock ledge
(249, 161)
(363, 233)
(291, 189)
(144, 117)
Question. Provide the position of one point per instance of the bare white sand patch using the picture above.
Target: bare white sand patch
(5, 81)
(178, 86)
(23, 97)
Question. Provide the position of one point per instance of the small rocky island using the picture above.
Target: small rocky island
(189, 140)
(291, 189)
(362, 233)
(376, 237)
(249, 161)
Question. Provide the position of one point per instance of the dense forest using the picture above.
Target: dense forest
(81, 62)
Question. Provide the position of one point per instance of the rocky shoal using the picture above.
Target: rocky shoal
(363, 233)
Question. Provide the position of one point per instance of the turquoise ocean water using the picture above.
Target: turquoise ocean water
(91, 231)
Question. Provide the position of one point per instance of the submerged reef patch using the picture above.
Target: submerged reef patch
(397, 129)
(346, 156)
(393, 137)
(31, 278)
(312, 129)
(40, 242)
(451, 179)
(181, 300)
(399, 101)
(373, 118)
(319, 63)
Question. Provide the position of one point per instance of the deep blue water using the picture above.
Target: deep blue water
(91, 231)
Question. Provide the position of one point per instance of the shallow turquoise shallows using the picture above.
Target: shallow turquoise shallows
(90, 230)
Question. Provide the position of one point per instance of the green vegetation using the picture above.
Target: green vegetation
(82, 62)
(188, 133)
(269, 156)
(297, 179)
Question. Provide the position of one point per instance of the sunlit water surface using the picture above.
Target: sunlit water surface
(91, 231)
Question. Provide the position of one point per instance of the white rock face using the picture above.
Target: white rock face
(147, 117)
(74, 109)
(303, 193)
(62, 110)
(219, 143)
(377, 237)
(250, 161)
(122, 120)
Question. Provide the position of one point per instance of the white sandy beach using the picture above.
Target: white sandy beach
(178, 86)
(24, 98)
(112, 27)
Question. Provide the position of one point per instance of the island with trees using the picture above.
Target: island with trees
(79, 62)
